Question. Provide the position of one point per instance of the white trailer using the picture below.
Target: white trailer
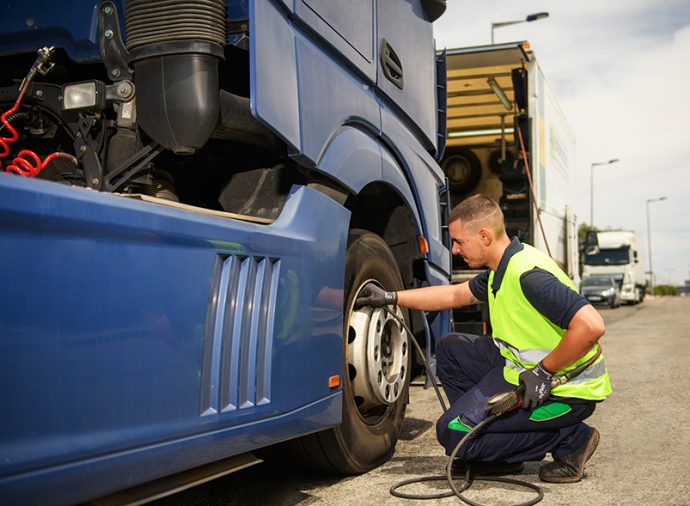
(496, 95)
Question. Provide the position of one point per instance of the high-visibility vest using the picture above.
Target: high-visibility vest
(525, 336)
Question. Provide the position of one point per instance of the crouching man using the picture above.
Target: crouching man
(541, 327)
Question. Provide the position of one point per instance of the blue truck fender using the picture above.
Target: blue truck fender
(356, 159)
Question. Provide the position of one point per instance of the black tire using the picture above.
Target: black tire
(462, 168)
(363, 441)
(497, 166)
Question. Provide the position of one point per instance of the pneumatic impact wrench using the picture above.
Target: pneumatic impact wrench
(503, 402)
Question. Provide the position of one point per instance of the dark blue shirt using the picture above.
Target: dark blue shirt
(553, 299)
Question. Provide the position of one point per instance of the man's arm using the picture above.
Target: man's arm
(567, 309)
(437, 298)
(585, 329)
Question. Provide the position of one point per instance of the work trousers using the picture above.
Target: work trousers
(470, 368)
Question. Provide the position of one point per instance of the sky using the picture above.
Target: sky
(621, 74)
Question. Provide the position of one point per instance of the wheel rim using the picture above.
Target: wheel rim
(377, 357)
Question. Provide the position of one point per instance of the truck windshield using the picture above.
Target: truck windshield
(618, 256)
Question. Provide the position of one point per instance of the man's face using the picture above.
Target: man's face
(467, 243)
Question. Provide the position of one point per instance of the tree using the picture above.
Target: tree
(582, 231)
(665, 290)
(581, 236)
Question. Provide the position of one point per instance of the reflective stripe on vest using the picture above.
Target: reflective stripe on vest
(593, 372)
(524, 336)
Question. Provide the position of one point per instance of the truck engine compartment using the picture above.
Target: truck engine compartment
(116, 126)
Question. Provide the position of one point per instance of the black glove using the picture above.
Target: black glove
(373, 295)
(537, 383)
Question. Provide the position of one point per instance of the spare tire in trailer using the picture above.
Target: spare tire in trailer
(376, 369)
(462, 168)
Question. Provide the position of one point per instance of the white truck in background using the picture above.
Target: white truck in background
(494, 92)
(617, 256)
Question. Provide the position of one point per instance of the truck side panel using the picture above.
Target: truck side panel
(331, 95)
(553, 165)
(116, 338)
(274, 100)
(403, 25)
(346, 26)
(427, 190)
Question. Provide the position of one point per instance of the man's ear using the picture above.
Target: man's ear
(485, 236)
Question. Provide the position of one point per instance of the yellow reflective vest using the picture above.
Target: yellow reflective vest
(525, 336)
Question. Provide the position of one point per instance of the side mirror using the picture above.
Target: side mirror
(434, 8)
(591, 243)
(635, 257)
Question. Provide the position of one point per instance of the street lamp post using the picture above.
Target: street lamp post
(649, 244)
(591, 187)
(528, 19)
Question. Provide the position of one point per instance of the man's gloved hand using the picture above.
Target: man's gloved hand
(537, 383)
(373, 295)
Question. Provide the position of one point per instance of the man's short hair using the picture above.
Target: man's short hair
(479, 210)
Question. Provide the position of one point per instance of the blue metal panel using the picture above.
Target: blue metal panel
(330, 96)
(441, 104)
(404, 25)
(427, 177)
(353, 157)
(127, 325)
(28, 26)
(273, 71)
(440, 323)
(76, 482)
(348, 27)
(394, 175)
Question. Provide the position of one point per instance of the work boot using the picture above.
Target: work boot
(478, 468)
(570, 468)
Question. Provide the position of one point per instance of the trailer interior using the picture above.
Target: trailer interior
(486, 103)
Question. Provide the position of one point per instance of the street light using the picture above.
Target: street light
(591, 187)
(528, 19)
(649, 244)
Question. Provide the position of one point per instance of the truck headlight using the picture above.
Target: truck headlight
(86, 95)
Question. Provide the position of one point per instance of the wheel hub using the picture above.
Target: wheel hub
(377, 357)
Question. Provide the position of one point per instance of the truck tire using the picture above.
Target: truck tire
(372, 414)
(463, 169)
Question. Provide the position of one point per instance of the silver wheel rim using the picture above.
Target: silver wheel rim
(377, 357)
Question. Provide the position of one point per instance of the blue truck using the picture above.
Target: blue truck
(192, 193)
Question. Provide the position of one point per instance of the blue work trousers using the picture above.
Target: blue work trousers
(470, 368)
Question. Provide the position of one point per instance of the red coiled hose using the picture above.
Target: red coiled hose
(26, 163)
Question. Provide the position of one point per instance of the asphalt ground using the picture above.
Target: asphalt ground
(643, 457)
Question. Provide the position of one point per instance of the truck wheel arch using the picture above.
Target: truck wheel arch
(356, 159)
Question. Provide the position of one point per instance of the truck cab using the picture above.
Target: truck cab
(617, 256)
(192, 194)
